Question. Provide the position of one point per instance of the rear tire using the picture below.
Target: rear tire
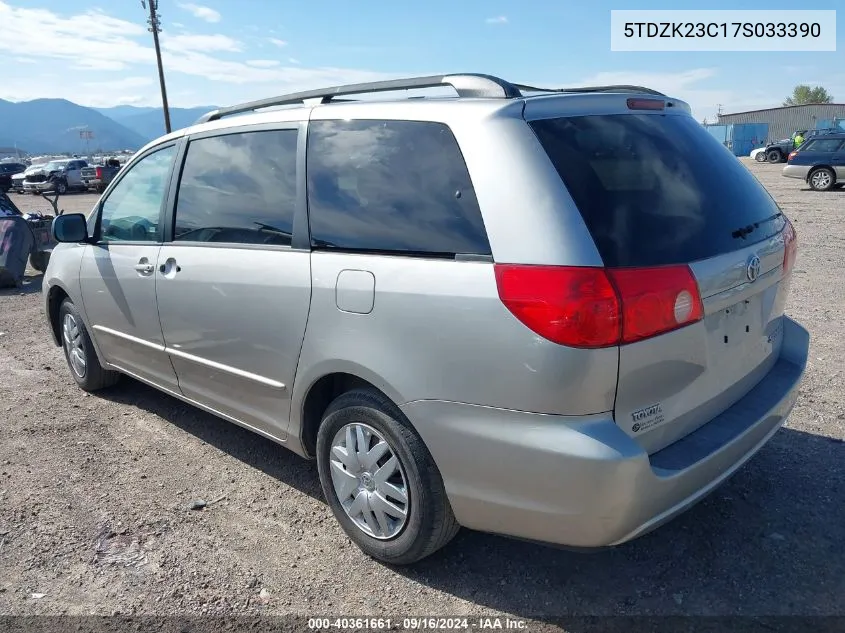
(774, 156)
(427, 523)
(760, 157)
(822, 179)
(80, 354)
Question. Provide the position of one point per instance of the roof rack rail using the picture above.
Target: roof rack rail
(613, 88)
(465, 84)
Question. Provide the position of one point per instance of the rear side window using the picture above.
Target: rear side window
(238, 188)
(655, 189)
(391, 186)
(823, 145)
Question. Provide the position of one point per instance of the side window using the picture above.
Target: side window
(131, 210)
(824, 145)
(391, 186)
(238, 188)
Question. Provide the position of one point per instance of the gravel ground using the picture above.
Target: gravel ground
(95, 497)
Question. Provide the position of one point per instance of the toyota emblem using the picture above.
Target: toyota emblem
(752, 270)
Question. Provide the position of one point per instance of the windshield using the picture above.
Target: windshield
(56, 164)
(657, 189)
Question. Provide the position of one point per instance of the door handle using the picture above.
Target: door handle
(169, 266)
(145, 269)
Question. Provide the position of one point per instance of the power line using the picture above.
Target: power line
(154, 22)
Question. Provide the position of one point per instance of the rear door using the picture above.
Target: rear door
(838, 161)
(233, 294)
(656, 190)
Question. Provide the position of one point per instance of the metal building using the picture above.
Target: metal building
(786, 120)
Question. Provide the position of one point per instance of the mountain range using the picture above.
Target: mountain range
(45, 126)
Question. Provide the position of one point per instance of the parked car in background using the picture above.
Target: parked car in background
(820, 162)
(98, 177)
(350, 280)
(59, 175)
(18, 179)
(758, 154)
(778, 152)
(7, 170)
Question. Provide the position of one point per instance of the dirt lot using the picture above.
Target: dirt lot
(95, 495)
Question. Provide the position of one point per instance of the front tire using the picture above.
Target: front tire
(381, 481)
(81, 357)
(760, 157)
(822, 179)
(39, 260)
(774, 156)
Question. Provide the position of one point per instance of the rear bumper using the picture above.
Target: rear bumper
(796, 171)
(92, 182)
(581, 481)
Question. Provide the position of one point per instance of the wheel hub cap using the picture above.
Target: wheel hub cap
(72, 338)
(369, 481)
(821, 179)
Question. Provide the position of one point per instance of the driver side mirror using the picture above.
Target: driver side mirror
(71, 228)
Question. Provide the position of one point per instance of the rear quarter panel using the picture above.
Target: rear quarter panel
(438, 331)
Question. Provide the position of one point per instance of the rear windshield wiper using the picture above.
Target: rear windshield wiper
(744, 231)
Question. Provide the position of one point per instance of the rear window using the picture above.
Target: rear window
(657, 190)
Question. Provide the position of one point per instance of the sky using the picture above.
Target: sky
(219, 52)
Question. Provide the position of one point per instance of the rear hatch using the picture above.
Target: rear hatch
(89, 173)
(683, 229)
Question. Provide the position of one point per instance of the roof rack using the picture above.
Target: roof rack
(613, 88)
(465, 84)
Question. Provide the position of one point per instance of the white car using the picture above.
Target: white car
(758, 154)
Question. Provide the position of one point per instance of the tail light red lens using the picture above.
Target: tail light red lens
(656, 300)
(567, 305)
(791, 155)
(597, 307)
(99, 172)
(790, 247)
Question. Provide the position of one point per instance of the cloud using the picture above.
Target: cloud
(91, 45)
(277, 42)
(499, 19)
(200, 43)
(263, 63)
(203, 13)
(293, 60)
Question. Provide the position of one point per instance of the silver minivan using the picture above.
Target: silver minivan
(556, 315)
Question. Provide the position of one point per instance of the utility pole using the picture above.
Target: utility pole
(155, 29)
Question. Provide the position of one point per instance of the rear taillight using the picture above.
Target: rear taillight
(656, 300)
(790, 247)
(567, 305)
(597, 307)
(99, 172)
(792, 155)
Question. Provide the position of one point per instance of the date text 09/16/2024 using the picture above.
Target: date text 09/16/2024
(418, 623)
